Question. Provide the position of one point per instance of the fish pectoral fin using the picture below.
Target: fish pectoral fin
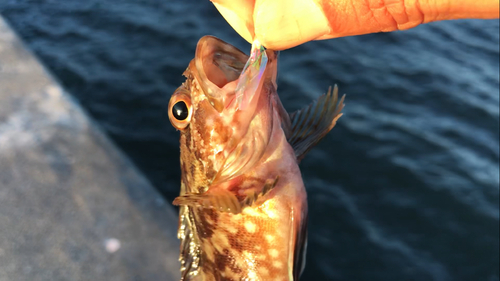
(311, 123)
(224, 200)
(218, 199)
(252, 196)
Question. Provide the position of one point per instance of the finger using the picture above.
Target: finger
(348, 17)
(281, 24)
(239, 14)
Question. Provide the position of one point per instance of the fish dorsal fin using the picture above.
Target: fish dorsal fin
(311, 123)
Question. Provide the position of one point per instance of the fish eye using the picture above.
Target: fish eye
(180, 110)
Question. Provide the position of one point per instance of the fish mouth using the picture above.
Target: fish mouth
(217, 66)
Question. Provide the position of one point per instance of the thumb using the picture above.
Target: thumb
(282, 24)
(239, 14)
(277, 24)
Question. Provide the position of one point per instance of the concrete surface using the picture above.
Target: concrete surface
(72, 207)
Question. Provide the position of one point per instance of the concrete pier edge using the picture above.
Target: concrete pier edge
(72, 206)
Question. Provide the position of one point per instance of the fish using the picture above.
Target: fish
(242, 202)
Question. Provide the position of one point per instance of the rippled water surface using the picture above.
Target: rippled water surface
(406, 187)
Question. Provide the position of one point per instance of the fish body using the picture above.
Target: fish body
(243, 207)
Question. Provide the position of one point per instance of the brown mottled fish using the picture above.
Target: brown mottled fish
(243, 207)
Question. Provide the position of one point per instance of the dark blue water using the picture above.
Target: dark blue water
(406, 187)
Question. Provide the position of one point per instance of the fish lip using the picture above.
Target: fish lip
(229, 57)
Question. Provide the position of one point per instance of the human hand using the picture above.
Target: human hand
(282, 24)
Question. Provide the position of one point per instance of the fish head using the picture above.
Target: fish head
(225, 124)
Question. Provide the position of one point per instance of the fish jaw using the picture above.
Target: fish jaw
(215, 66)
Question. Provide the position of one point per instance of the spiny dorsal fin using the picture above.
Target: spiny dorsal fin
(312, 123)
